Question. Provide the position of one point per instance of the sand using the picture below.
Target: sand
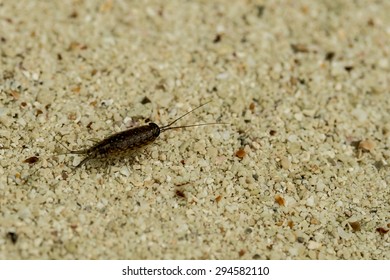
(300, 170)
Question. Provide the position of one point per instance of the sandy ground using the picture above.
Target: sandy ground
(301, 171)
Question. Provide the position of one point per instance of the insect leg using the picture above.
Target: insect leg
(87, 158)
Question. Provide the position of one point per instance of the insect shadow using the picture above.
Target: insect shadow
(130, 140)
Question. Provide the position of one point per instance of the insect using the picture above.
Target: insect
(130, 139)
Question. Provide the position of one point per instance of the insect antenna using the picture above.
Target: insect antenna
(166, 126)
(169, 126)
(162, 129)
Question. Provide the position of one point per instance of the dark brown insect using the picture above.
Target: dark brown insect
(130, 139)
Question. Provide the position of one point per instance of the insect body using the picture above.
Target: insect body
(121, 142)
(130, 139)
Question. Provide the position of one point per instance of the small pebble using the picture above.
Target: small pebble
(280, 200)
(360, 114)
(312, 245)
(355, 226)
(285, 163)
(241, 153)
(310, 201)
(367, 145)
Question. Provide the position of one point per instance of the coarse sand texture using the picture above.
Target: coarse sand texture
(299, 169)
